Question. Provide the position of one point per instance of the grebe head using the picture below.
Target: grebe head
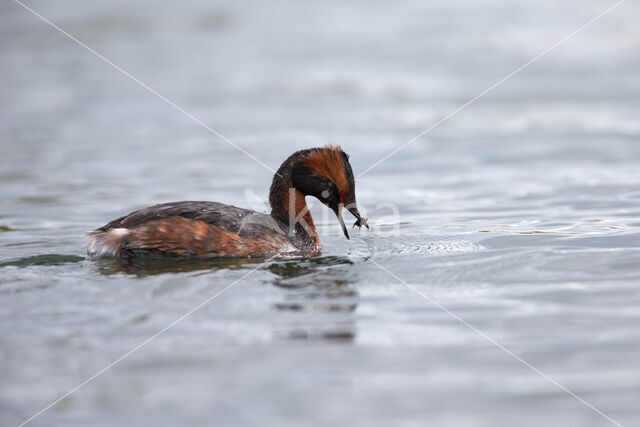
(325, 173)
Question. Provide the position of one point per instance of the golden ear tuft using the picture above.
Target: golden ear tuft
(328, 163)
(332, 147)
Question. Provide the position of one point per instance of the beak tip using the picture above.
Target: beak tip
(341, 221)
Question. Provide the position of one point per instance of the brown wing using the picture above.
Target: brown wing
(177, 236)
(193, 229)
(231, 218)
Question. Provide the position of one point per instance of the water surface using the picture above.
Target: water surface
(520, 215)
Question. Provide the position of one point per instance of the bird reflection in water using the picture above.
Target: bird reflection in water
(319, 297)
(148, 266)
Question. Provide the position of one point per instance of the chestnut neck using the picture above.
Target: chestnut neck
(288, 206)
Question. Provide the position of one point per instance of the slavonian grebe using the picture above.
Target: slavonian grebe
(212, 230)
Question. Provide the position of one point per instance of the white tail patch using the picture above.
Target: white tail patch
(105, 243)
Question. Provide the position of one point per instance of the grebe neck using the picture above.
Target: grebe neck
(288, 206)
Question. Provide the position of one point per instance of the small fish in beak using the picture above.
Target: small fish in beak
(360, 221)
(351, 206)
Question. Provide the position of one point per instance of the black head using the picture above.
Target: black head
(326, 174)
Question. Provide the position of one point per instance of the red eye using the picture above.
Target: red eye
(342, 195)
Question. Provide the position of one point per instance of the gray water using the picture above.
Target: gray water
(520, 215)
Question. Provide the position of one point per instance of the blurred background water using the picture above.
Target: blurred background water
(521, 214)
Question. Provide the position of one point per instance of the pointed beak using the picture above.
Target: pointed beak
(341, 221)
